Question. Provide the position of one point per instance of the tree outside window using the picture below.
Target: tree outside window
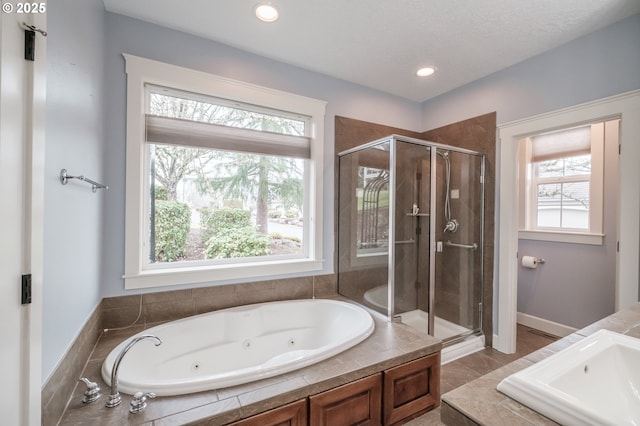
(236, 204)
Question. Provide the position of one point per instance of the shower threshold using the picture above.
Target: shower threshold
(445, 330)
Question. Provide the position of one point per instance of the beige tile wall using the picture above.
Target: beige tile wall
(164, 306)
(152, 308)
(60, 386)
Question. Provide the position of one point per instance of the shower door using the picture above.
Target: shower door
(458, 235)
(363, 226)
(410, 220)
(411, 181)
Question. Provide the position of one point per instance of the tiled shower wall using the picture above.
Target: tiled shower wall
(477, 134)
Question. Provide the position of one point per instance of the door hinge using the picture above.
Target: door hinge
(30, 40)
(26, 289)
(29, 45)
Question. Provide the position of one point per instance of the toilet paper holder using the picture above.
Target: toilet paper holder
(531, 262)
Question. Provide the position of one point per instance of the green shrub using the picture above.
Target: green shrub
(172, 224)
(236, 242)
(214, 220)
(206, 231)
(160, 193)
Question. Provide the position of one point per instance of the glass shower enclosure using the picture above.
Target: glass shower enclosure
(410, 221)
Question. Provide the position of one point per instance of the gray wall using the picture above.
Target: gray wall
(75, 141)
(601, 64)
(576, 284)
(127, 35)
(572, 288)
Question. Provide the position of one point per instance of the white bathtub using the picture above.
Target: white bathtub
(238, 345)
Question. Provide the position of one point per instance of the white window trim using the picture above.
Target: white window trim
(625, 106)
(562, 237)
(141, 71)
(528, 202)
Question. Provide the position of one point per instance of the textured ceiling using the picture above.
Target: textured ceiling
(381, 43)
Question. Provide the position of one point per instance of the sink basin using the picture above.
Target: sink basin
(595, 381)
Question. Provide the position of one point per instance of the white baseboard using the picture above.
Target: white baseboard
(550, 327)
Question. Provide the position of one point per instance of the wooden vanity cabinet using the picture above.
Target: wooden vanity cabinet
(293, 414)
(411, 389)
(355, 403)
(392, 397)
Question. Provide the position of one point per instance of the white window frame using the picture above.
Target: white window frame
(625, 106)
(528, 194)
(141, 71)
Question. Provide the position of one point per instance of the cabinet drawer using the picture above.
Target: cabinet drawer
(411, 389)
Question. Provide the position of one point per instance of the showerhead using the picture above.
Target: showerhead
(443, 154)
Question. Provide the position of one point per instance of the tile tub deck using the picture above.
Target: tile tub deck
(391, 344)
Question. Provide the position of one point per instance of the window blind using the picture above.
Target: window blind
(566, 143)
(177, 131)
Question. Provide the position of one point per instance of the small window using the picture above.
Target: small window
(561, 184)
(561, 174)
(228, 176)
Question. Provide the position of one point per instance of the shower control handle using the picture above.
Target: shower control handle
(452, 226)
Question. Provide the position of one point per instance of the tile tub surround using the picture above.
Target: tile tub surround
(390, 345)
(163, 306)
(56, 391)
(479, 403)
(122, 311)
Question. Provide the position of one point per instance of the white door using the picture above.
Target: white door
(22, 105)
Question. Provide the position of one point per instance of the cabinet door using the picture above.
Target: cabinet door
(411, 389)
(294, 414)
(356, 403)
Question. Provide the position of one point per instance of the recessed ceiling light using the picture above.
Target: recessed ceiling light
(425, 72)
(266, 12)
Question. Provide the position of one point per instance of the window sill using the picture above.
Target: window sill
(219, 273)
(562, 237)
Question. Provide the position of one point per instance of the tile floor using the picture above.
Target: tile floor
(466, 369)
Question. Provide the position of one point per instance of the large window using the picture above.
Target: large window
(562, 184)
(223, 178)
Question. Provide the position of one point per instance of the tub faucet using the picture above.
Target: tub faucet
(115, 398)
